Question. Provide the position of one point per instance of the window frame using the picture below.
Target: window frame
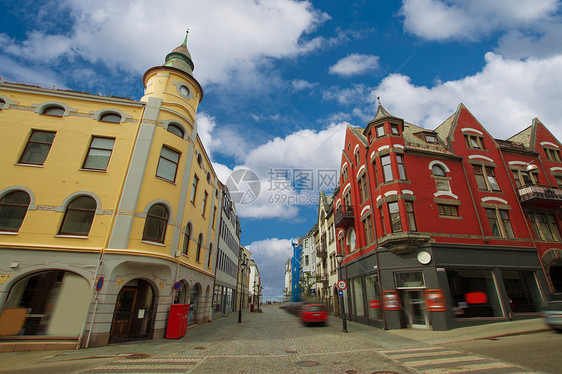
(552, 154)
(110, 117)
(486, 178)
(30, 142)
(70, 211)
(194, 185)
(162, 222)
(387, 168)
(167, 159)
(368, 229)
(204, 205)
(92, 148)
(175, 127)
(17, 208)
(186, 239)
(379, 131)
(411, 216)
(53, 111)
(392, 217)
(502, 220)
(474, 141)
(448, 210)
(199, 245)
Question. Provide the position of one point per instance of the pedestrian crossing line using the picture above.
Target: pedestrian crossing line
(425, 359)
(475, 367)
(162, 364)
(449, 360)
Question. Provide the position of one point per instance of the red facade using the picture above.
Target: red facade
(403, 187)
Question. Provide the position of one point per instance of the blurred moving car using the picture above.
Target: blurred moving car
(314, 313)
(552, 313)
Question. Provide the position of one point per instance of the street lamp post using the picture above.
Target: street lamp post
(339, 258)
(242, 269)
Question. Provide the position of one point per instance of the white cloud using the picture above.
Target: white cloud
(299, 85)
(545, 42)
(271, 254)
(355, 64)
(471, 19)
(505, 96)
(246, 31)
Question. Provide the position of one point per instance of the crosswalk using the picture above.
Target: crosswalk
(154, 364)
(438, 360)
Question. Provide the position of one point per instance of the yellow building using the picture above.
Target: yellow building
(107, 209)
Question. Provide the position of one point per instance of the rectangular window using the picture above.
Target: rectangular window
(401, 167)
(357, 297)
(411, 216)
(448, 210)
(552, 154)
(442, 184)
(381, 211)
(387, 168)
(345, 175)
(474, 293)
(474, 141)
(368, 227)
(394, 214)
(394, 129)
(506, 223)
(380, 131)
(523, 291)
(99, 153)
(545, 226)
(194, 188)
(168, 164)
(364, 191)
(486, 178)
(204, 206)
(214, 215)
(494, 223)
(430, 138)
(37, 147)
(373, 296)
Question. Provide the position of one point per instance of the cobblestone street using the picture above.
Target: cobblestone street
(270, 342)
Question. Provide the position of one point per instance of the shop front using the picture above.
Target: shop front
(441, 287)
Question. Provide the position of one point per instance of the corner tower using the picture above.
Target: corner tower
(173, 83)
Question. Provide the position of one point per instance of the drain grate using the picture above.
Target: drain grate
(138, 356)
(307, 363)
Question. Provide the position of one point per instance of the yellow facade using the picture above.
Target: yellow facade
(136, 242)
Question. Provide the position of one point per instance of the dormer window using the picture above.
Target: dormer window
(474, 141)
(394, 129)
(552, 154)
(430, 138)
(110, 118)
(54, 110)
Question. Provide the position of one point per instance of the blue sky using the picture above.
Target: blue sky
(282, 78)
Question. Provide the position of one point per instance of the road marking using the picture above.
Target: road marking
(438, 360)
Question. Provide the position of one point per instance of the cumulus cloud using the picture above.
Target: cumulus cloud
(246, 31)
(299, 85)
(471, 19)
(355, 64)
(505, 96)
(271, 254)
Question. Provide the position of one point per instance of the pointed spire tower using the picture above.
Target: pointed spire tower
(381, 117)
(174, 79)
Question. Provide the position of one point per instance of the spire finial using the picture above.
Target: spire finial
(185, 40)
(379, 100)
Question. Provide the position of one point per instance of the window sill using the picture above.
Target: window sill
(450, 217)
(32, 165)
(71, 236)
(94, 170)
(153, 243)
(8, 232)
(165, 180)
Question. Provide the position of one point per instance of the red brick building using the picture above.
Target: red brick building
(447, 227)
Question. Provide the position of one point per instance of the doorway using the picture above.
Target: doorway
(414, 309)
(556, 275)
(134, 311)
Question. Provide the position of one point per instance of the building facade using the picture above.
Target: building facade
(308, 265)
(243, 297)
(227, 255)
(107, 208)
(448, 227)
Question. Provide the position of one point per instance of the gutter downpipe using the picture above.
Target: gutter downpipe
(367, 164)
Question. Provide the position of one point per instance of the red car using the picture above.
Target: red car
(314, 313)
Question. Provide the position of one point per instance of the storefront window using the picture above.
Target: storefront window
(474, 293)
(359, 307)
(412, 279)
(217, 298)
(373, 296)
(228, 299)
(522, 290)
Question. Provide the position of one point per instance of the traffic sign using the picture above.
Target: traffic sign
(340, 292)
(342, 285)
(99, 284)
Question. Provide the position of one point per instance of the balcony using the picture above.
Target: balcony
(540, 195)
(323, 278)
(321, 250)
(344, 216)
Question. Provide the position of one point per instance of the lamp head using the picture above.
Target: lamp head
(339, 258)
(531, 167)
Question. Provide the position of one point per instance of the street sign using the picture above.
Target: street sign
(340, 292)
(342, 285)
(99, 284)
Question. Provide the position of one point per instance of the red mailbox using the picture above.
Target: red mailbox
(177, 321)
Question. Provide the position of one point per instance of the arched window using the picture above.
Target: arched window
(351, 240)
(110, 117)
(176, 130)
(199, 243)
(78, 216)
(13, 208)
(441, 179)
(155, 224)
(210, 253)
(186, 239)
(438, 171)
(53, 110)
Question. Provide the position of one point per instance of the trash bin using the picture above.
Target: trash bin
(177, 321)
